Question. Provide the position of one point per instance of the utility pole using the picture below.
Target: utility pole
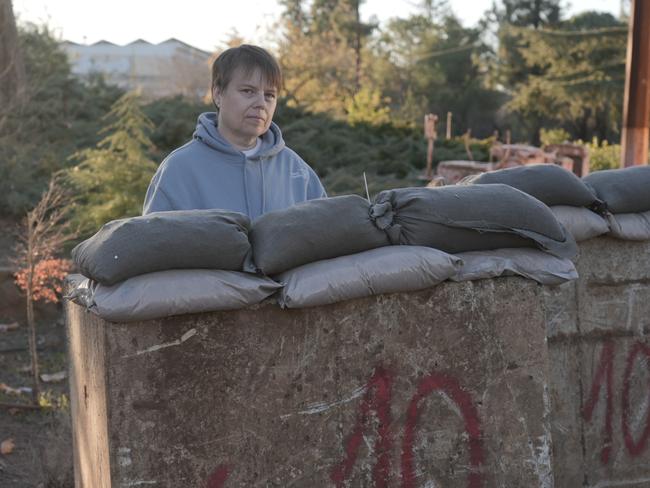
(636, 105)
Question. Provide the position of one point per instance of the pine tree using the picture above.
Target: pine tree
(112, 177)
(575, 75)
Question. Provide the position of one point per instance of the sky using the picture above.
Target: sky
(207, 24)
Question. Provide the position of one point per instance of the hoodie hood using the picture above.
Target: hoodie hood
(207, 133)
(208, 172)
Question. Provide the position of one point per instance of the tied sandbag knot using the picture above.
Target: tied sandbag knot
(383, 216)
(599, 207)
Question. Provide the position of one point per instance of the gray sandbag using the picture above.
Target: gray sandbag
(174, 292)
(470, 218)
(529, 263)
(313, 230)
(385, 270)
(549, 183)
(623, 190)
(580, 222)
(181, 239)
(630, 226)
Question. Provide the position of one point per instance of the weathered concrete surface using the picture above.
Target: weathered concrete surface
(599, 353)
(444, 387)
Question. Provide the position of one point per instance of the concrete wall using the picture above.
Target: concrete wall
(444, 387)
(498, 383)
(600, 380)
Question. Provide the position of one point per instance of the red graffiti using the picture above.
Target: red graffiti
(634, 448)
(218, 477)
(449, 386)
(377, 398)
(377, 401)
(605, 372)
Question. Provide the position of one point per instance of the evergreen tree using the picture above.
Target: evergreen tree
(113, 176)
(576, 75)
(428, 63)
(508, 66)
(56, 116)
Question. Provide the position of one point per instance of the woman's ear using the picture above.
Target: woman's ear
(216, 97)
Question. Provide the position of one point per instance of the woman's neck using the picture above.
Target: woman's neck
(239, 143)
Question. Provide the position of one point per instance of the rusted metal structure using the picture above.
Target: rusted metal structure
(636, 107)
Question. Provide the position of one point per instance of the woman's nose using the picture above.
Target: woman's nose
(260, 100)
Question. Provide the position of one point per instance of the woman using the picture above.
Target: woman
(237, 159)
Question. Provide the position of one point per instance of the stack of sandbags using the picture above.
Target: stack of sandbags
(626, 192)
(328, 250)
(167, 263)
(324, 251)
(321, 251)
(574, 204)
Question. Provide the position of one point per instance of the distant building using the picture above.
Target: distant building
(168, 68)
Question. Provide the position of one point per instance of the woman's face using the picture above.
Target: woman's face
(246, 108)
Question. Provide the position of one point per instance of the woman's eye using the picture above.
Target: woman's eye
(270, 96)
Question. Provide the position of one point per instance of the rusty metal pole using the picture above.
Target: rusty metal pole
(636, 105)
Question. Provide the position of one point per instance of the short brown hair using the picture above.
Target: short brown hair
(248, 58)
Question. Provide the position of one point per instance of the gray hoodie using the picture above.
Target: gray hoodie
(208, 172)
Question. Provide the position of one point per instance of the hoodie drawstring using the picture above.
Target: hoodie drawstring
(263, 186)
(248, 206)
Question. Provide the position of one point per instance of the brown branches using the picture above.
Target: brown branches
(45, 230)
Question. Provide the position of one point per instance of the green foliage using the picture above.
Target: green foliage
(553, 136)
(604, 155)
(340, 153)
(367, 106)
(390, 155)
(454, 150)
(572, 75)
(113, 176)
(174, 121)
(58, 115)
(428, 63)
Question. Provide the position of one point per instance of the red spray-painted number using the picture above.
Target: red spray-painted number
(449, 386)
(634, 448)
(379, 384)
(218, 477)
(377, 400)
(605, 374)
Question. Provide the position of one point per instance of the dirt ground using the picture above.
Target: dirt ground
(42, 456)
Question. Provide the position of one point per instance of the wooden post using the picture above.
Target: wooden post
(448, 134)
(468, 149)
(636, 107)
(430, 134)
